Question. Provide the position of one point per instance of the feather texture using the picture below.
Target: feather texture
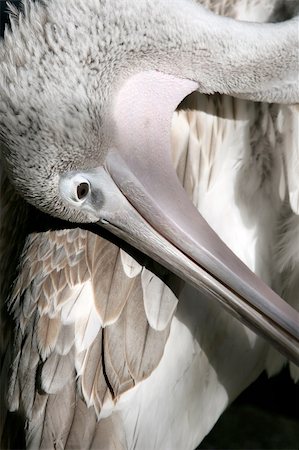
(92, 324)
(287, 125)
(159, 300)
(82, 317)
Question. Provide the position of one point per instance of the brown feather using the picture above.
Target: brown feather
(65, 339)
(47, 334)
(109, 434)
(144, 345)
(92, 363)
(27, 370)
(118, 356)
(83, 427)
(56, 420)
(13, 394)
(116, 368)
(110, 284)
(56, 372)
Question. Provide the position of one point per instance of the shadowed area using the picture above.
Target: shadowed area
(265, 416)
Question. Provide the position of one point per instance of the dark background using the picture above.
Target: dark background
(266, 415)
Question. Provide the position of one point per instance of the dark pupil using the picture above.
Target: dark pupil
(82, 190)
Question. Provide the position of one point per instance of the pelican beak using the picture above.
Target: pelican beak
(151, 211)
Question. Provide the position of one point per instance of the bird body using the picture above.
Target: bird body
(113, 351)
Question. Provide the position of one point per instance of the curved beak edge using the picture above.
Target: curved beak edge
(181, 240)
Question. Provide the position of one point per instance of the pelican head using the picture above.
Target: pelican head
(88, 89)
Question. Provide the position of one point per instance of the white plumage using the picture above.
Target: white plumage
(108, 356)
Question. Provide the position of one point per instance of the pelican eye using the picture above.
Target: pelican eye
(82, 190)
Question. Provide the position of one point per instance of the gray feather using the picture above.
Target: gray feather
(65, 339)
(109, 434)
(56, 420)
(47, 334)
(56, 372)
(110, 284)
(83, 427)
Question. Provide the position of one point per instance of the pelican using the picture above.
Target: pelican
(119, 339)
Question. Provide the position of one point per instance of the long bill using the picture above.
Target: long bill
(187, 246)
(155, 215)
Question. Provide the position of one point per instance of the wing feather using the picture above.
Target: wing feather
(56, 372)
(56, 419)
(131, 267)
(28, 369)
(65, 340)
(288, 126)
(159, 300)
(79, 305)
(13, 394)
(47, 335)
(116, 364)
(144, 345)
(110, 283)
(91, 369)
(109, 435)
(82, 428)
